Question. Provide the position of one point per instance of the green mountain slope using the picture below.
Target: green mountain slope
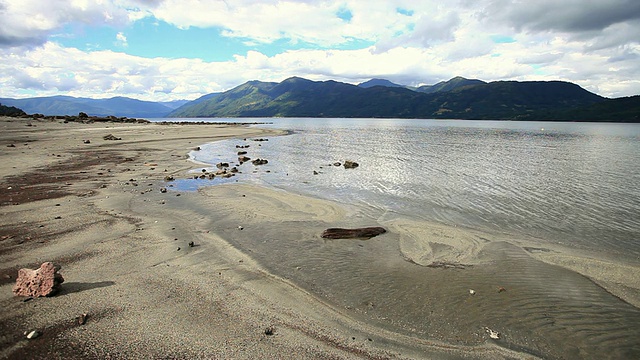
(10, 111)
(455, 83)
(297, 97)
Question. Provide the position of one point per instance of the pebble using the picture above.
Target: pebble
(492, 333)
(472, 292)
(32, 334)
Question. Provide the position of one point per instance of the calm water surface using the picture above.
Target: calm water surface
(577, 185)
(568, 183)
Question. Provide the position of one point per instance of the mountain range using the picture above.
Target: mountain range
(458, 98)
(116, 106)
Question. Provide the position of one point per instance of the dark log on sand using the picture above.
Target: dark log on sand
(360, 233)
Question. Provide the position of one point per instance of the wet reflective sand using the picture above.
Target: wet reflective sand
(537, 308)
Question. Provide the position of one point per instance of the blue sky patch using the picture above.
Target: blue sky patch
(501, 39)
(344, 14)
(404, 11)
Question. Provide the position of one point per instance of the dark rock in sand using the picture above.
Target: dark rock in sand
(169, 178)
(260, 161)
(44, 281)
(111, 137)
(350, 164)
(242, 152)
(358, 233)
(243, 159)
(221, 165)
(337, 163)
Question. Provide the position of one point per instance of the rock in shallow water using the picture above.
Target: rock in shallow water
(359, 233)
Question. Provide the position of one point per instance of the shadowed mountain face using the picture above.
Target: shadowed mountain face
(457, 98)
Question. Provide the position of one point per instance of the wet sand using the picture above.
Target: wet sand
(260, 282)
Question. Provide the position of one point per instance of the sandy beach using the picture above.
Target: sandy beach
(96, 208)
(84, 206)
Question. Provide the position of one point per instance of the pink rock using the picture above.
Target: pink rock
(36, 283)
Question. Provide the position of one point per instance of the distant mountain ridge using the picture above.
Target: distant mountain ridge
(116, 106)
(378, 82)
(458, 98)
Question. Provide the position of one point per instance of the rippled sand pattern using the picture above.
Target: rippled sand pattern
(538, 309)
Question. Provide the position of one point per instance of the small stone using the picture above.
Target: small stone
(191, 244)
(81, 319)
(270, 331)
(178, 249)
(240, 228)
(163, 190)
(472, 292)
(492, 333)
(87, 141)
(33, 334)
(169, 178)
(350, 164)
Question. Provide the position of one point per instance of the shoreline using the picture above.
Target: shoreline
(117, 236)
(76, 204)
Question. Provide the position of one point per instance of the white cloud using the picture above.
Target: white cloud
(429, 42)
(30, 22)
(121, 39)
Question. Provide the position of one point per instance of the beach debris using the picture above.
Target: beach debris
(337, 163)
(111, 137)
(358, 233)
(169, 178)
(197, 148)
(240, 227)
(242, 146)
(45, 281)
(472, 292)
(178, 249)
(32, 334)
(163, 190)
(348, 164)
(87, 141)
(315, 172)
(11, 145)
(260, 161)
(82, 319)
(260, 139)
(191, 244)
(271, 330)
(492, 333)
(501, 289)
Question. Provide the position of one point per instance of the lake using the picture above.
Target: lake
(575, 184)
(513, 190)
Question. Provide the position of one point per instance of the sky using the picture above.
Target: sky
(163, 50)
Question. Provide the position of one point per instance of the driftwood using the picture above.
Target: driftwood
(359, 233)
